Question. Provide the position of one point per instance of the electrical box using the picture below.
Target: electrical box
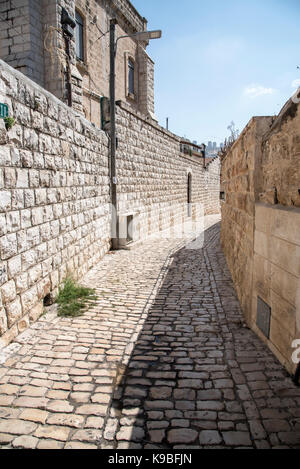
(126, 229)
(105, 113)
(263, 317)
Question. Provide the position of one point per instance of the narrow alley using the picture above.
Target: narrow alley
(163, 360)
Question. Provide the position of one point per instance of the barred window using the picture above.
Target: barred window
(130, 76)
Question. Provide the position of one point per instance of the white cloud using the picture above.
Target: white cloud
(254, 91)
(296, 83)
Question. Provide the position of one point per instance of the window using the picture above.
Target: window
(130, 77)
(79, 36)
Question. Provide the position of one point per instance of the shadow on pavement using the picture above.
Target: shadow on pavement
(198, 377)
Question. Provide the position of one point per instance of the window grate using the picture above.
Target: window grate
(263, 317)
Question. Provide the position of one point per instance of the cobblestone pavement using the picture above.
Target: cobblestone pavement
(163, 360)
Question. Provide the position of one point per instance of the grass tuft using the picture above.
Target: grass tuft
(74, 299)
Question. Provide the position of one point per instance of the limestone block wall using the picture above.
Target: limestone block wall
(21, 37)
(260, 226)
(279, 181)
(238, 176)
(55, 192)
(32, 41)
(276, 276)
(54, 195)
(146, 83)
(95, 67)
(153, 175)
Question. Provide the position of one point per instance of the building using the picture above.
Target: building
(63, 45)
(55, 161)
(260, 176)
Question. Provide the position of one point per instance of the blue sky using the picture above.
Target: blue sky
(220, 61)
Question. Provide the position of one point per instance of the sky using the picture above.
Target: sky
(221, 61)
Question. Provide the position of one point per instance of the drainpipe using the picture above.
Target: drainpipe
(113, 178)
(68, 25)
(68, 71)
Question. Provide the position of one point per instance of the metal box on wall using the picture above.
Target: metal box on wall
(263, 317)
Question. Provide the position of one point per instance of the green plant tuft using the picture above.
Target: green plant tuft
(74, 299)
(9, 122)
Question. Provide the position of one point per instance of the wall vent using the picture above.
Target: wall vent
(126, 229)
(263, 317)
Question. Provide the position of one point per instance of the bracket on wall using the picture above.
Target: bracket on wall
(68, 23)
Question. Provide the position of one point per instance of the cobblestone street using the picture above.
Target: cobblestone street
(163, 360)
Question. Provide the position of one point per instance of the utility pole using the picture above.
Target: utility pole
(139, 36)
(113, 177)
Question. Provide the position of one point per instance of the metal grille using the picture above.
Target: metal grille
(263, 317)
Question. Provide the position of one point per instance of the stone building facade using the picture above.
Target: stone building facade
(55, 194)
(55, 213)
(260, 177)
(76, 68)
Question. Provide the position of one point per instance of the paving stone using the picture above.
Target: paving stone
(49, 444)
(130, 434)
(210, 405)
(290, 438)
(184, 435)
(52, 431)
(25, 442)
(160, 360)
(160, 392)
(34, 415)
(80, 446)
(210, 437)
(6, 438)
(111, 429)
(59, 406)
(87, 435)
(237, 438)
(94, 422)
(157, 436)
(257, 430)
(65, 419)
(17, 427)
(91, 409)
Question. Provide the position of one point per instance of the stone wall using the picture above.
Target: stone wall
(55, 192)
(21, 37)
(95, 67)
(152, 170)
(260, 225)
(153, 175)
(54, 197)
(280, 169)
(238, 181)
(32, 41)
(276, 276)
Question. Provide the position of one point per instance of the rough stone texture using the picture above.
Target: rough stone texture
(56, 218)
(155, 304)
(96, 64)
(261, 225)
(280, 172)
(238, 181)
(276, 277)
(55, 194)
(22, 37)
(32, 41)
